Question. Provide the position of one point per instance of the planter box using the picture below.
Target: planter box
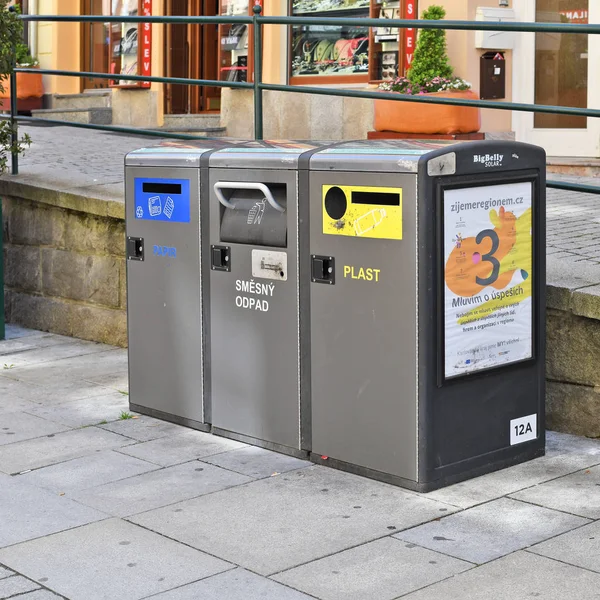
(29, 91)
(413, 117)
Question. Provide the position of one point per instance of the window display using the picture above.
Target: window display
(330, 50)
(233, 65)
(124, 45)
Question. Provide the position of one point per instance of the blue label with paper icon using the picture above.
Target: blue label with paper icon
(162, 200)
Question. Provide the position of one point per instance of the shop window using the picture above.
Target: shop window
(118, 48)
(235, 43)
(342, 54)
(334, 53)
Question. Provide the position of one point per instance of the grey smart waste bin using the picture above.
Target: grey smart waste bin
(258, 361)
(427, 301)
(165, 186)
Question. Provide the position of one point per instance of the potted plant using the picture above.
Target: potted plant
(29, 85)
(430, 75)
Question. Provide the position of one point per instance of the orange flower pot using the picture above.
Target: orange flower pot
(29, 85)
(413, 117)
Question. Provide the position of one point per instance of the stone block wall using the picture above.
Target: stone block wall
(573, 363)
(64, 271)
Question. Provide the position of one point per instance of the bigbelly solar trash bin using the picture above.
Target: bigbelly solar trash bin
(258, 361)
(165, 186)
(427, 305)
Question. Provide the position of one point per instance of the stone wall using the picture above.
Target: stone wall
(573, 360)
(65, 270)
(295, 116)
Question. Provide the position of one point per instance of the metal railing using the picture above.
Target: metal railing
(258, 87)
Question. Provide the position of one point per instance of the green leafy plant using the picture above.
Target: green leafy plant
(23, 56)
(125, 415)
(431, 57)
(11, 35)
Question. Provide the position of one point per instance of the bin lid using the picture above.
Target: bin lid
(176, 153)
(380, 156)
(265, 154)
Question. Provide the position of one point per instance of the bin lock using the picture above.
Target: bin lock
(323, 269)
(135, 248)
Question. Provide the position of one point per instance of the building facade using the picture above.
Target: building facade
(553, 69)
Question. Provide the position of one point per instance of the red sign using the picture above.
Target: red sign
(576, 15)
(146, 49)
(410, 35)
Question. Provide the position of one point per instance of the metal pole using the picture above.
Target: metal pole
(2, 326)
(258, 99)
(13, 113)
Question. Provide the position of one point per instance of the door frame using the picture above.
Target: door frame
(198, 60)
(557, 142)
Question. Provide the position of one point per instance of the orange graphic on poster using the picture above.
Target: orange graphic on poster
(492, 256)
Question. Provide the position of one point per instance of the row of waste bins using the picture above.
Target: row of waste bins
(375, 306)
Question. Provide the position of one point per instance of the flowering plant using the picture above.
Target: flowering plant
(430, 70)
(403, 85)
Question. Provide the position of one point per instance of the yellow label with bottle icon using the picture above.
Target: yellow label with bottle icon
(362, 211)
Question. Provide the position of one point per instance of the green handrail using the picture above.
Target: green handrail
(258, 21)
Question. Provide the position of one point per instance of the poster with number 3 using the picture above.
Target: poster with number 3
(488, 256)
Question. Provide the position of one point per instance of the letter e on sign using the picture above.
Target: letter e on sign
(523, 429)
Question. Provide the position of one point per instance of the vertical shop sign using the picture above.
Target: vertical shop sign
(410, 9)
(146, 56)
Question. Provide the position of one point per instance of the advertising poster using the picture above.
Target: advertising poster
(488, 256)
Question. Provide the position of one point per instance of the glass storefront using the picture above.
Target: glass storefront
(329, 51)
(112, 47)
(561, 64)
(233, 64)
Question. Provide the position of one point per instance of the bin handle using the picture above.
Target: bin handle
(245, 185)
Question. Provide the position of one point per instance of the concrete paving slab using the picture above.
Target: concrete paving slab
(577, 494)
(86, 472)
(144, 428)
(84, 412)
(13, 403)
(40, 595)
(25, 344)
(580, 547)
(237, 584)
(55, 350)
(501, 483)
(16, 331)
(158, 488)
(281, 522)
(19, 426)
(256, 462)
(176, 449)
(16, 585)
(491, 530)
(29, 512)
(79, 367)
(384, 569)
(110, 560)
(55, 448)
(519, 576)
(57, 391)
(4, 572)
(117, 381)
(564, 443)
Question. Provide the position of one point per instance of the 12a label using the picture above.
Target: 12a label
(523, 429)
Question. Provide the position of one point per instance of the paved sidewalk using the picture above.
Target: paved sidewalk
(93, 506)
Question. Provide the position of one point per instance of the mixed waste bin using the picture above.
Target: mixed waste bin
(258, 328)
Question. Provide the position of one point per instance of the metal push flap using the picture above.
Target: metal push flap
(254, 213)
